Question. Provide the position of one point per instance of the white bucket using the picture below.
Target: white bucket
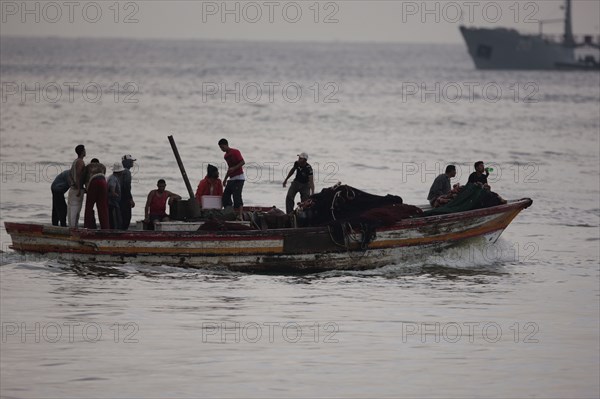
(211, 202)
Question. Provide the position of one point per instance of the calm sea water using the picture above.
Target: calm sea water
(516, 319)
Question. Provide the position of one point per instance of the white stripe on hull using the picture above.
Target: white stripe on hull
(347, 260)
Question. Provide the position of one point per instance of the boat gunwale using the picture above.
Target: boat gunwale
(269, 234)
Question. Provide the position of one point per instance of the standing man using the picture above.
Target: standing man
(75, 198)
(441, 184)
(126, 196)
(59, 187)
(478, 176)
(303, 182)
(236, 177)
(97, 194)
(114, 196)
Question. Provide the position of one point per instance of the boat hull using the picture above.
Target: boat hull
(279, 250)
(502, 48)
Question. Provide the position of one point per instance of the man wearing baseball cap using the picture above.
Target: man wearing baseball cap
(303, 182)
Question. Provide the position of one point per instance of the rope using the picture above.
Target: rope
(345, 245)
(362, 237)
(347, 229)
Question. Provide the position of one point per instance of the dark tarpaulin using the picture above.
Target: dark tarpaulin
(342, 202)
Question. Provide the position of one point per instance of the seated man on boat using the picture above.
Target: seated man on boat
(210, 185)
(445, 199)
(474, 195)
(480, 175)
(156, 204)
(441, 187)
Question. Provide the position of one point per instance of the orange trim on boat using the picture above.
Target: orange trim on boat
(117, 251)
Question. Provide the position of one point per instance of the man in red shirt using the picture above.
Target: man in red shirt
(210, 185)
(235, 174)
(156, 204)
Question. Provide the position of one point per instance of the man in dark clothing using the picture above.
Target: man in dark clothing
(59, 187)
(126, 203)
(303, 182)
(441, 184)
(114, 196)
(479, 176)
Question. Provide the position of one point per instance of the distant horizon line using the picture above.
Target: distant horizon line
(333, 41)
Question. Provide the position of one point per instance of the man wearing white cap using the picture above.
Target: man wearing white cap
(303, 182)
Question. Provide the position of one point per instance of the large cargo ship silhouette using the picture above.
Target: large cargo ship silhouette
(503, 48)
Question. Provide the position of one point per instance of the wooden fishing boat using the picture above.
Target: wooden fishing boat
(347, 229)
(302, 249)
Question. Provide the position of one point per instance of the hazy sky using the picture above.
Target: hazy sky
(346, 20)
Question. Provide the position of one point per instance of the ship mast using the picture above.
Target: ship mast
(568, 39)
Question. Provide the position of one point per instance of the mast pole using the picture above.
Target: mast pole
(568, 39)
(181, 168)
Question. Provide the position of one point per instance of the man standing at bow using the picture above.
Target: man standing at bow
(303, 182)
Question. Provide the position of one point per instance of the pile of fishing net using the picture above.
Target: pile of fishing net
(352, 215)
(343, 203)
